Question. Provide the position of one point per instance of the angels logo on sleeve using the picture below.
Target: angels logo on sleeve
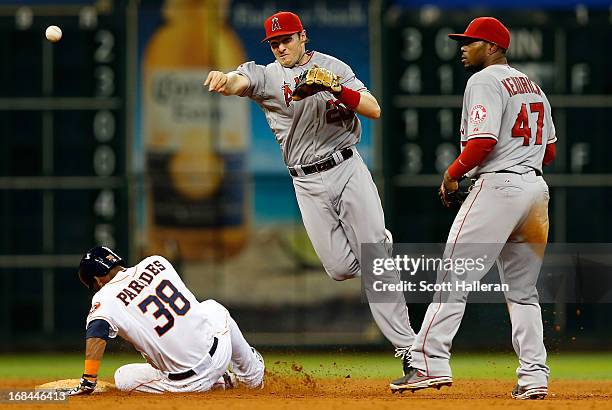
(478, 114)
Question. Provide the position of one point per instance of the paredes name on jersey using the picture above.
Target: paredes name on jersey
(136, 286)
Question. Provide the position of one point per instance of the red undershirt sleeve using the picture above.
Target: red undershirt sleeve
(550, 154)
(472, 155)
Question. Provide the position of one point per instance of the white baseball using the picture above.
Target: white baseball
(53, 33)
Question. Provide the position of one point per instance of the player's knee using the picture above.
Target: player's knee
(120, 380)
(123, 381)
(524, 301)
(343, 271)
(523, 297)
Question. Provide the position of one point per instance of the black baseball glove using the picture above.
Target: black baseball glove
(314, 80)
(454, 199)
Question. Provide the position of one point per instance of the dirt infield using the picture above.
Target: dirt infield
(306, 392)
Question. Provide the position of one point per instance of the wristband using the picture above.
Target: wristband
(350, 98)
(91, 369)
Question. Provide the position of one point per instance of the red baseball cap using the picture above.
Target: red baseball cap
(282, 23)
(486, 28)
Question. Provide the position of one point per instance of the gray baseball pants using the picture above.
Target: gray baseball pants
(341, 210)
(507, 215)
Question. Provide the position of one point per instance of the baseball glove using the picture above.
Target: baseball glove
(314, 80)
(454, 199)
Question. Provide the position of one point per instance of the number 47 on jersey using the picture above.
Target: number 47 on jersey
(521, 128)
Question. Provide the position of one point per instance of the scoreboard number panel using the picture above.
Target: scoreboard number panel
(20, 131)
(63, 109)
(100, 218)
(97, 153)
(21, 56)
(423, 92)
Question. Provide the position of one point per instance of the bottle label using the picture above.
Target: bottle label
(196, 145)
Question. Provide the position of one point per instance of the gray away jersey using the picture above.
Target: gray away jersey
(502, 103)
(310, 129)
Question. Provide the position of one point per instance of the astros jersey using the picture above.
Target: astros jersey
(502, 103)
(310, 129)
(149, 306)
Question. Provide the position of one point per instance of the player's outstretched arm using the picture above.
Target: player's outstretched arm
(94, 351)
(93, 357)
(368, 106)
(226, 83)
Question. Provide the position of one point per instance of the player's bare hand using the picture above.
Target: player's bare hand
(216, 81)
(452, 192)
(450, 184)
(442, 196)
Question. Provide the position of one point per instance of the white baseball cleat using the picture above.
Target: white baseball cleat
(532, 393)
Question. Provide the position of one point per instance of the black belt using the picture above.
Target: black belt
(505, 171)
(323, 165)
(190, 372)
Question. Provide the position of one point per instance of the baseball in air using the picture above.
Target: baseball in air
(53, 33)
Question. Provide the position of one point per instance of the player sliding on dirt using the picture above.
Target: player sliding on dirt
(188, 345)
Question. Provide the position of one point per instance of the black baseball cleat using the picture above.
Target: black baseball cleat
(415, 380)
(229, 379)
(225, 382)
(529, 393)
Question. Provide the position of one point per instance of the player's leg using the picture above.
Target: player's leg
(247, 364)
(482, 226)
(358, 204)
(144, 378)
(324, 228)
(363, 221)
(141, 377)
(209, 372)
(432, 348)
(519, 267)
(526, 319)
